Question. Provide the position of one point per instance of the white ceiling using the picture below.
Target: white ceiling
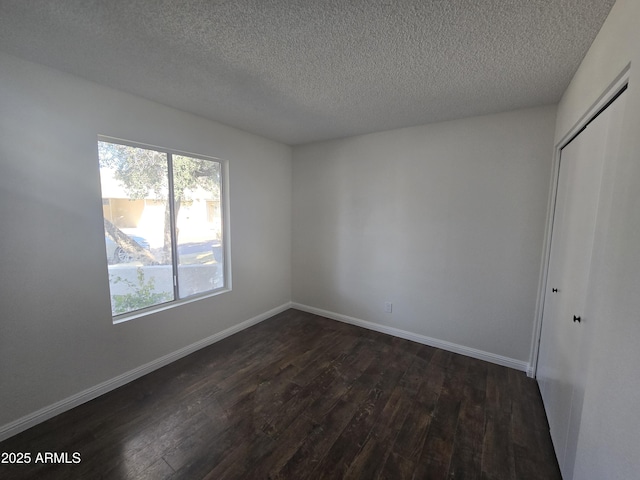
(305, 70)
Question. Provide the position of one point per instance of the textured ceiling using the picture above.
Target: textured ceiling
(305, 70)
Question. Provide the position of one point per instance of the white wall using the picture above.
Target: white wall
(609, 437)
(444, 220)
(56, 332)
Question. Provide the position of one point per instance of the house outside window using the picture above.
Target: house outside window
(163, 224)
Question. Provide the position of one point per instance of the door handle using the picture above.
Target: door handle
(576, 319)
(554, 290)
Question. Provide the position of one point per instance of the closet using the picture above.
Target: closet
(582, 187)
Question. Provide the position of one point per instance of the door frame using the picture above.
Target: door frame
(615, 88)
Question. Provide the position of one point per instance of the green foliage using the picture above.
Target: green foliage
(144, 172)
(143, 294)
(140, 170)
(190, 173)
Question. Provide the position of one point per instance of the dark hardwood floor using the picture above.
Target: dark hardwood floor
(303, 397)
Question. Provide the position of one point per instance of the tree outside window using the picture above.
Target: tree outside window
(163, 225)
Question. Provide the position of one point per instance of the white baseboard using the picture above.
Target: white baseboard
(62, 406)
(433, 342)
(66, 404)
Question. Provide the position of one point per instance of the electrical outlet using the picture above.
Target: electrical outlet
(388, 307)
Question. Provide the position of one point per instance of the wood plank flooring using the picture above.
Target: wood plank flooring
(304, 397)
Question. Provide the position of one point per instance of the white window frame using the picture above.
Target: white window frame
(224, 212)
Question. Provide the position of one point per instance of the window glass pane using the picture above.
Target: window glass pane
(137, 226)
(197, 188)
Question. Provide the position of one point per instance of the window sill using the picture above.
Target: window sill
(167, 306)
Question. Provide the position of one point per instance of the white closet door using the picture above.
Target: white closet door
(562, 363)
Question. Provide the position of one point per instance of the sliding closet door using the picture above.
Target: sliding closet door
(563, 360)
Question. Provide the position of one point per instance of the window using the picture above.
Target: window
(163, 225)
